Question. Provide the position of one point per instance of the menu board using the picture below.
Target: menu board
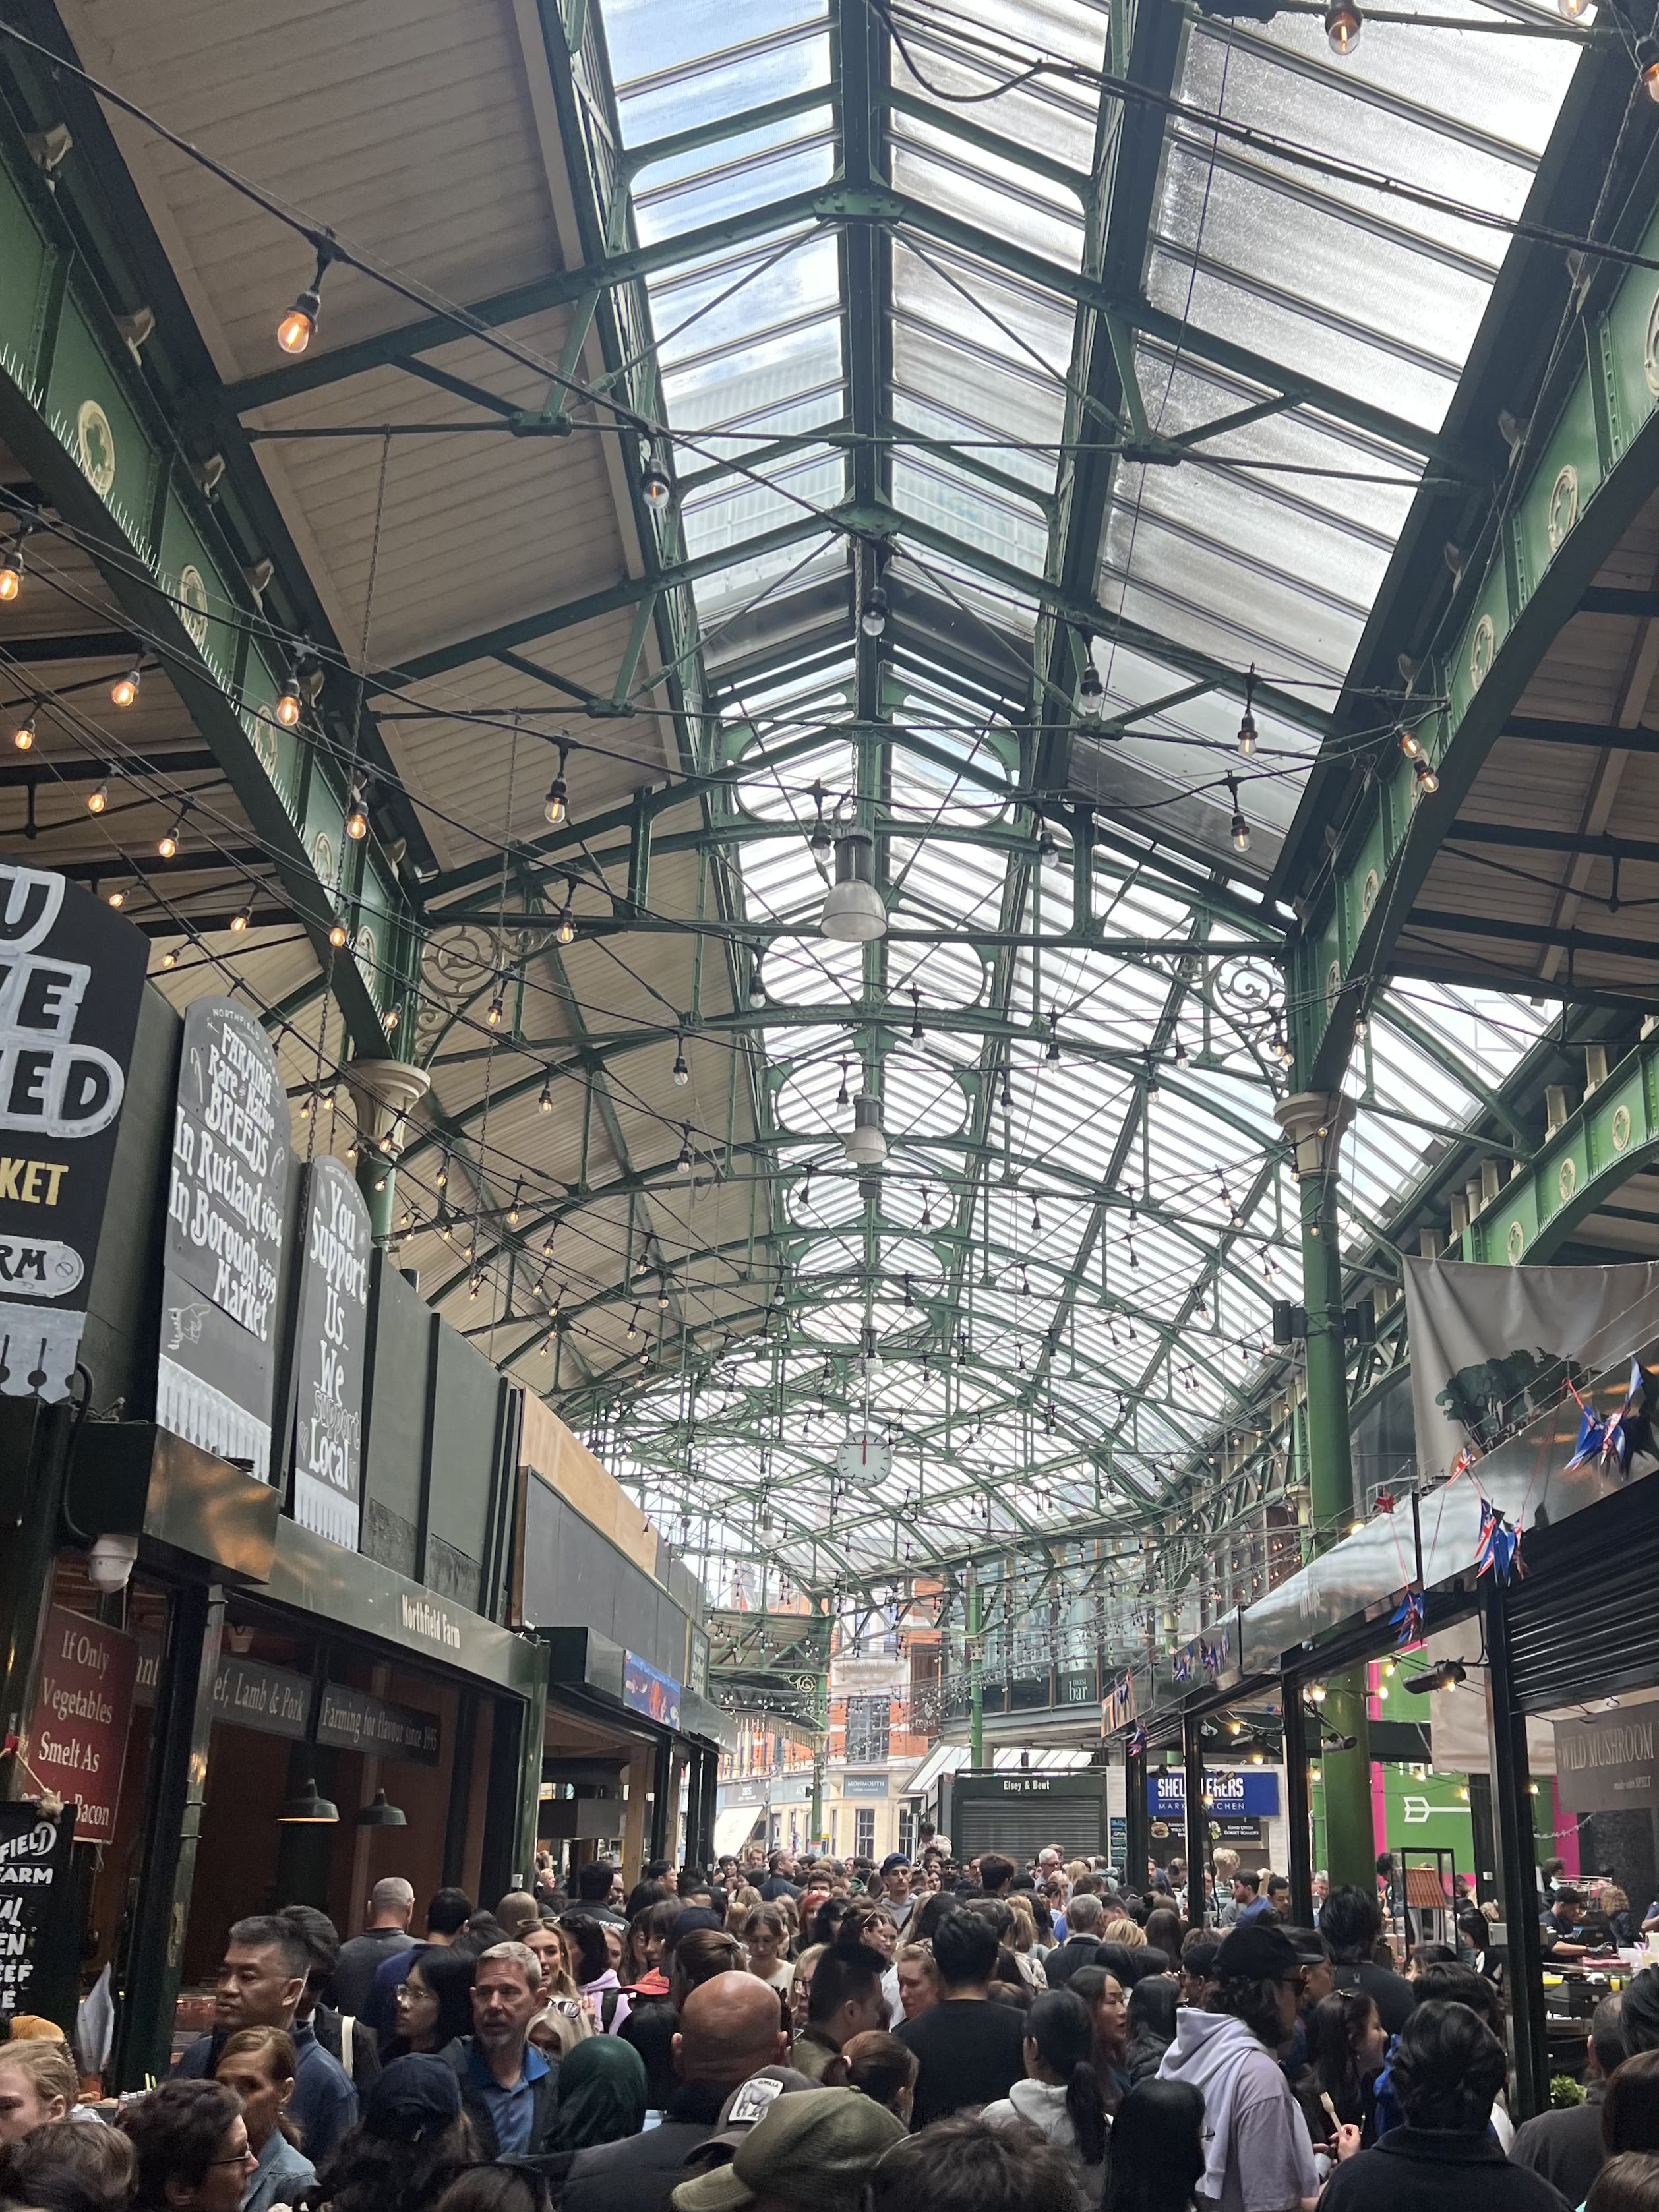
(36, 1951)
(224, 1238)
(71, 982)
(77, 1740)
(333, 1328)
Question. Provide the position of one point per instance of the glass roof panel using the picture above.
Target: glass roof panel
(1083, 1183)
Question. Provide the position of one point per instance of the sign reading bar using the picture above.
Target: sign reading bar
(71, 982)
(224, 1236)
(1608, 1765)
(35, 1902)
(77, 1739)
(352, 1720)
(333, 1324)
(1232, 1791)
(646, 1691)
(273, 1700)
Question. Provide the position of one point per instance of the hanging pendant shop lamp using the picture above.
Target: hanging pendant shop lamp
(307, 1809)
(378, 1814)
(867, 1147)
(853, 909)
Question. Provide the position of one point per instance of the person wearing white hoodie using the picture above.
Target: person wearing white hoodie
(1061, 2094)
(1258, 2157)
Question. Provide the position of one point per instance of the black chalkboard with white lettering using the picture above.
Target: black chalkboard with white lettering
(224, 1238)
(37, 1933)
(71, 981)
(332, 1330)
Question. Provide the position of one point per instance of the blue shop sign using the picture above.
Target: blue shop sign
(1232, 1791)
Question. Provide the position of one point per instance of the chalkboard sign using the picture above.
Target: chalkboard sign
(36, 1942)
(71, 981)
(224, 1239)
(333, 1331)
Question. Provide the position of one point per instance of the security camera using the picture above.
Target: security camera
(111, 1561)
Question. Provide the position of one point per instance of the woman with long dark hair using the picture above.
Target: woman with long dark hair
(432, 2004)
(1061, 2095)
(1158, 2148)
(412, 2141)
(1152, 2025)
(1108, 2011)
(1346, 2045)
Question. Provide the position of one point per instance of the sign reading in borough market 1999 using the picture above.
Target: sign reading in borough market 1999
(224, 1236)
(71, 981)
(1608, 1765)
(328, 1407)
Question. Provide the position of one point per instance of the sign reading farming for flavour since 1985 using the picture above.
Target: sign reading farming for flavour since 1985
(224, 1239)
(71, 981)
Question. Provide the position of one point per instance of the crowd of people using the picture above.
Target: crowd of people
(779, 2037)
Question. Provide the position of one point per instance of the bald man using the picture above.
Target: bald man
(730, 2027)
(385, 1934)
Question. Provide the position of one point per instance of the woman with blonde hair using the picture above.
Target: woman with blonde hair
(38, 2085)
(765, 1933)
(259, 2065)
(740, 1905)
(1129, 1933)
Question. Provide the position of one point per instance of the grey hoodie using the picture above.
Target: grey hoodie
(1042, 2104)
(1258, 2157)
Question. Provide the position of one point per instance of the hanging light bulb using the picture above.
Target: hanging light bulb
(556, 807)
(916, 1016)
(11, 575)
(98, 799)
(1247, 729)
(873, 620)
(1090, 693)
(169, 958)
(656, 485)
(336, 936)
(546, 1101)
(1182, 1058)
(117, 897)
(1428, 781)
(565, 930)
(682, 1072)
(854, 912)
(299, 326)
(683, 1163)
(844, 1097)
(356, 821)
(440, 1180)
(756, 993)
(125, 690)
(1239, 829)
(23, 736)
(1052, 1054)
(1342, 23)
(240, 921)
(289, 701)
(167, 844)
(1577, 11)
(1410, 743)
(1647, 66)
(497, 1012)
(633, 1324)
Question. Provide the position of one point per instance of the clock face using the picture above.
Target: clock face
(862, 1460)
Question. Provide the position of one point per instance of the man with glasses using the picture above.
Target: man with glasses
(261, 1982)
(1257, 2154)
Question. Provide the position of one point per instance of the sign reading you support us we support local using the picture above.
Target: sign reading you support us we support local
(71, 981)
(224, 1238)
(334, 1326)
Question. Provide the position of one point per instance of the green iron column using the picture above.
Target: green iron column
(1314, 1121)
(975, 1653)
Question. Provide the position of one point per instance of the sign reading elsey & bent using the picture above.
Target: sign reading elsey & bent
(224, 1236)
(77, 1740)
(71, 981)
(1610, 1765)
(328, 1409)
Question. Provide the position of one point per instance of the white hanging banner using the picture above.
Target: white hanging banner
(1491, 1346)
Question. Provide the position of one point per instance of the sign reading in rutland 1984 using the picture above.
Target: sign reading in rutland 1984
(71, 981)
(224, 1240)
(77, 1740)
(334, 1326)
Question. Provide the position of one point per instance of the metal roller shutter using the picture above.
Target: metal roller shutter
(1585, 1621)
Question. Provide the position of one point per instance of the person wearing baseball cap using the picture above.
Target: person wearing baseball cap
(1259, 2158)
(814, 2150)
